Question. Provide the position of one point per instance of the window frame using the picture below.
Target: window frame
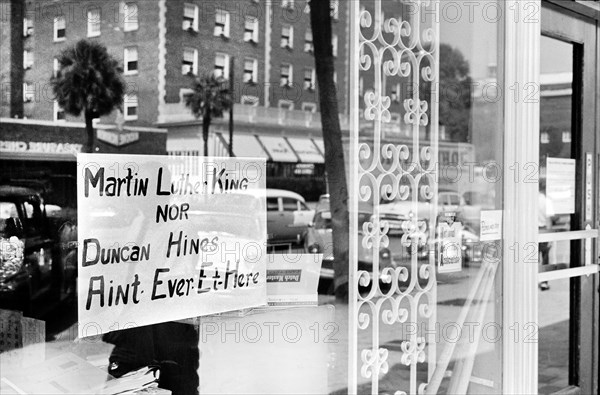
(223, 26)
(195, 18)
(290, 75)
(225, 69)
(254, 71)
(126, 55)
(57, 28)
(91, 23)
(251, 35)
(127, 101)
(194, 65)
(134, 23)
(287, 41)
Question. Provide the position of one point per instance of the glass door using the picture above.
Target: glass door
(568, 189)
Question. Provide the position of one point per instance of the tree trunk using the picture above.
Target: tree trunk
(205, 128)
(332, 138)
(89, 128)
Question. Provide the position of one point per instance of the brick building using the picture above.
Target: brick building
(163, 45)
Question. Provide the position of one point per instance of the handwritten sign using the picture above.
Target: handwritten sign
(450, 252)
(490, 225)
(168, 238)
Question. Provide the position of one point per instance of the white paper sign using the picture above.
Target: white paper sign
(292, 279)
(490, 225)
(167, 238)
(450, 251)
(560, 184)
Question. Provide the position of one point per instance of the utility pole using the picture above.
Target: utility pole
(231, 85)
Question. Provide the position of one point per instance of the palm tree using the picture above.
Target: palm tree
(320, 18)
(88, 80)
(209, 99)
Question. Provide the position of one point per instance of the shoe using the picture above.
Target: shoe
(544, 286)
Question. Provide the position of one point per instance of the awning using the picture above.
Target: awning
(247, 146)
(306, 150)
(279, 149)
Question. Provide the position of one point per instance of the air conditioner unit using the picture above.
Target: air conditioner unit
(285, 83)
(27, 99)
(186, 69)
(187, 25)
(27, 67)
(308, 47)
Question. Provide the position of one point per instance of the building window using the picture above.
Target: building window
(566, 137)
(222, 66)
(307, 7)
(395, 96)
(130, 60)
(251, 29)
(286, 74)
(93, 22)
(287, 37)
(27, 27)
(308, 42)
(335, 8)
(335, 77)
(287, 3)
(131, 107)
(222, 23)
(130, 17)
(310, 107)
(334, 45)
(544, 138)
(59, 113)
(190, 17)
(286, 104)
(60, 28)
(250, 71)
(28, 92)
(250, 100)
(56, 67)
(27, 59)
(309, 79)
(190, 61)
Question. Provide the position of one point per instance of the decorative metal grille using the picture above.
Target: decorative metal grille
(397, 55)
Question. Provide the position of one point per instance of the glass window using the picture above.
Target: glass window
(272, 204)
(334, 44)
(130, 17)
(222, 66)
(309, 78)
(131, 107)
(286, 74)
(250, 70)
(190, 17)
(190, 61)
(290, 204)
(94, 18)
(251, 29)
(27, 59)
(221, 23)
(59, 113)
(59, 28)
(27, 27)
(287, 36)
(130, 60)
(308, 41)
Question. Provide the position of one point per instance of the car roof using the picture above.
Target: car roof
(284, 193)
(14, 191)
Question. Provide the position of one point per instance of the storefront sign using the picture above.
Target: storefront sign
(160, 244)
(560, 184)
(490, 225)
(450, 249)
(40, 147)
(292, 279)
(116, 138)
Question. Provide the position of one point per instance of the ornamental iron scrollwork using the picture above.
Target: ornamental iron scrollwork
(397, 41)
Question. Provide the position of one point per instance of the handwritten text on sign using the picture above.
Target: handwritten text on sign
(168, 238)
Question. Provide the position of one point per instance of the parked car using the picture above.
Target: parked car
(318, 240)
(47, 268)
(287, 217)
